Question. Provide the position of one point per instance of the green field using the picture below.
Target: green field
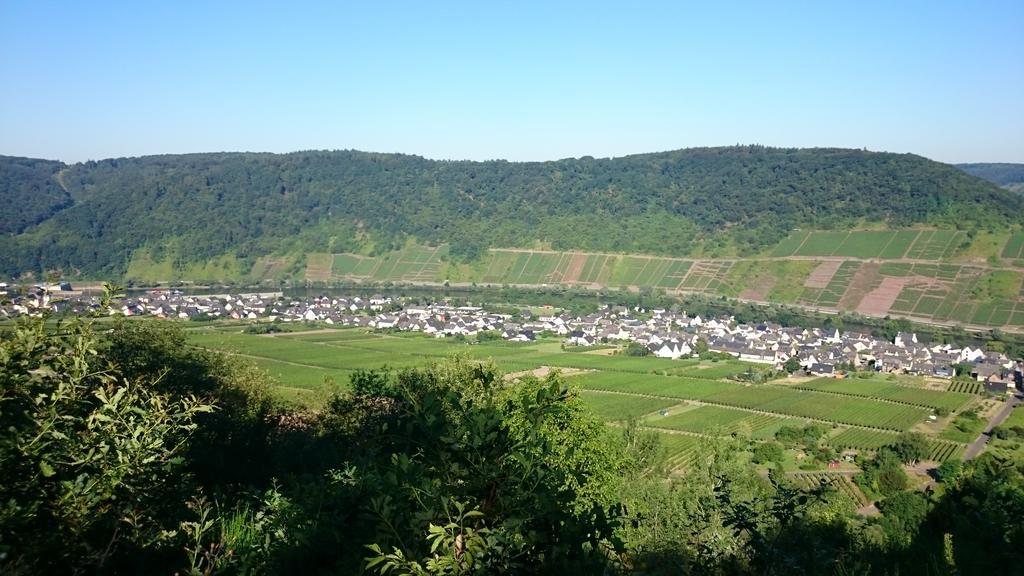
(719, 421)
(690, 401)
(1014, 248)
(881, 244)
(299, 358)
(613, 407)
(883, 390)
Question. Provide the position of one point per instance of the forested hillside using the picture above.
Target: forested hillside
(1009, 176)
(192, 208)
(30, 193)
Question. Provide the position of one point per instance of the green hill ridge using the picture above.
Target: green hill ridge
(188, 210)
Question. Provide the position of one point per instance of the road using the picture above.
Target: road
(978, 445)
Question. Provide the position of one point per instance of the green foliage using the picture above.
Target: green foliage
(766, 452)
(1003, 174)
(949, 471)
(791, 365)
(808, 435)
(903, 512)
(31, 193)
(738, 199)
(636, 349)
(91, 456)
(882, 475)
(131, 452)
(911, 447)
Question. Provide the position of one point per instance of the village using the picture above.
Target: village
(661, 333)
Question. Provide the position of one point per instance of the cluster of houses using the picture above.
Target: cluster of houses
(666, 334)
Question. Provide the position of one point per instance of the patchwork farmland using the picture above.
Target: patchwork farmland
(909, 273)
(688, 403)
(910, 244)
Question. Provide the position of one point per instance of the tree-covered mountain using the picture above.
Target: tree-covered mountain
(1009, 176)
(30, 192)
(194, 207)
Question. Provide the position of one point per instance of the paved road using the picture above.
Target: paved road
(978, 445)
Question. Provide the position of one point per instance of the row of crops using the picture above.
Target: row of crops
(720, 421)
(872, 440)
(822, 406)
(681, 450)
(841, 483)
(935, 399)
(766, 398)
(965, 386)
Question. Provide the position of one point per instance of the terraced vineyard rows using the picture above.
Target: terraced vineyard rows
(830, 271)
(841, 483)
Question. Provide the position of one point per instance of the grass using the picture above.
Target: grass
(965, 427)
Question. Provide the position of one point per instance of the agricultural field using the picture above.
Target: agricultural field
(614, 407)
(829, 295)
(966, 386)
(719, 421)
(871, 440)
(839, 482)
(1014, 248)
(883, 390)
(681, 450)
(821, 406)
(927, 275)
(689, 401)
(867, 244)
(412, 264)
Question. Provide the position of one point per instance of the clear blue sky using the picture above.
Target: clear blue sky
(515, 80)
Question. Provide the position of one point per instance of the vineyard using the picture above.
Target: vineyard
(965, 386)
(935, 399)
(681, 450)
(719, 421)
(838, 482)
(872, 440)
(863, 271)
(821, 406)
(698, 400)
(611, 407)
